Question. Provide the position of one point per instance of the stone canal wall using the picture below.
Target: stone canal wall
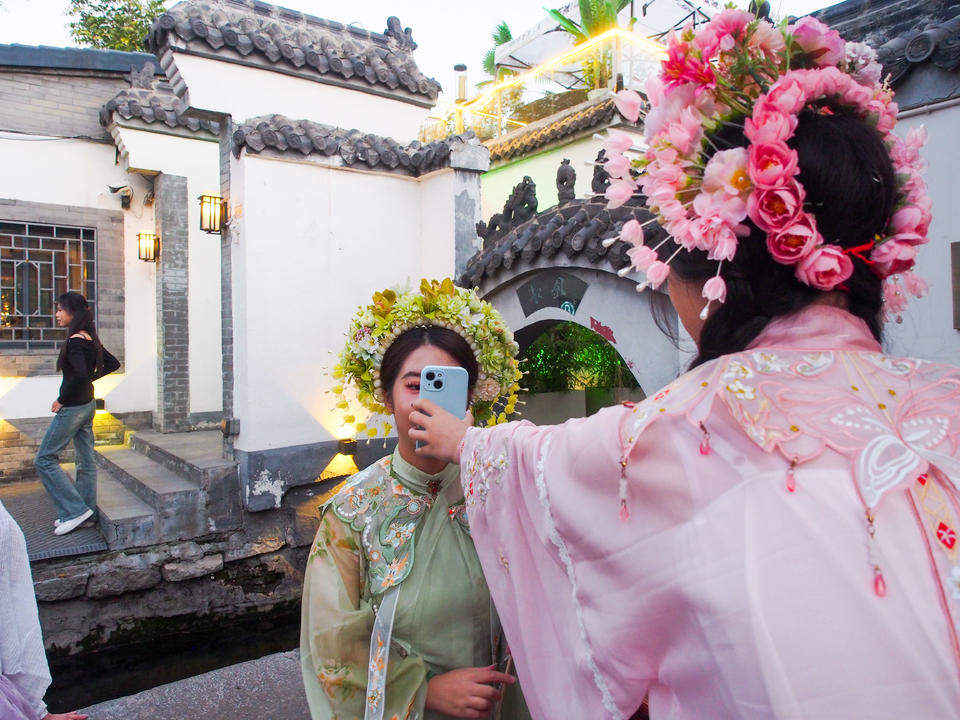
(107, 600)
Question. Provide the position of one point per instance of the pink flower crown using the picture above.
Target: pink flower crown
(740, 69)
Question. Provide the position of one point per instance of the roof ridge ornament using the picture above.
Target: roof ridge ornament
(402, 36)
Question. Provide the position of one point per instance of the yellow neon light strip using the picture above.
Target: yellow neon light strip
(453, 108)
(654, 47)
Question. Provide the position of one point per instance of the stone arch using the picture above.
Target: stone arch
(553, 266)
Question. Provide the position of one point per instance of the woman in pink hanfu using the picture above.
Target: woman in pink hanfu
(774, 535)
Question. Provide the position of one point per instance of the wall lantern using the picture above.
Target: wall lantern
(344, 462)
(213, 213)
(148, 247)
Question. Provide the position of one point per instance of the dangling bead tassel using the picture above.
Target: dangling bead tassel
(705, 443)
(791, 476)
(879, 584)
(705, 313)
(624, 511)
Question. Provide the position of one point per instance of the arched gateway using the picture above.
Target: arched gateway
(540, 269)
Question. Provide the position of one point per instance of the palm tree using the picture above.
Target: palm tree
(501, 36)
(596, 17)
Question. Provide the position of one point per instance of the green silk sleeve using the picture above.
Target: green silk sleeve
(336, 623)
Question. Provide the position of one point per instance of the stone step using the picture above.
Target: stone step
(179, 503)
(125, 520)
(198, 457)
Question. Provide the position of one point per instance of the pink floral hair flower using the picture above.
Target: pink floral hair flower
(641, 257)
(915, 285)
(657, 272)
(617, 142)
(730, 209)
(715, 289)
(723, 31)
(893, 256)
(629, 103)
(774, 209)
(617, 166)
(772, 165)
(685, 131)
(821, 43)
(909, 224)
(619, 192)
(795, 242)
(707, 231)
(825, 267)
(769, 127)
(894, 300)
(727, 172)
(786, 96)
(766, 41)
(632, 232)
(683, 65)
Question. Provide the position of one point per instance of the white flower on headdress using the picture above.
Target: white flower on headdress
(862, 63)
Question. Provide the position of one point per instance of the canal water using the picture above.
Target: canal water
(182, 650)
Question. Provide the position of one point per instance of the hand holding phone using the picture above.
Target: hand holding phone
(446, 386)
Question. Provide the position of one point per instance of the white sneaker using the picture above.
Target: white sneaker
(70, 525)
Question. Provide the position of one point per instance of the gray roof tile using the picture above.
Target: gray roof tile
(153, 101)
(324, 49)
(573, 121)
(355, 148)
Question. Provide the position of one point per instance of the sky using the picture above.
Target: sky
(447, 33)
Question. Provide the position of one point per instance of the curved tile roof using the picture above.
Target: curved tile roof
(354, 148)
(272, 35)
(573, 121)
(153, 101)
(574, 228)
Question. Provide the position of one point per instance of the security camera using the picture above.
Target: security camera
(125, 192)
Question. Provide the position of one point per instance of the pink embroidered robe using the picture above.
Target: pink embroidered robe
(726, 594)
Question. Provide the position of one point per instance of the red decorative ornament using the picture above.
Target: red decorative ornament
(922, 479)
(624, 513)
(946, 535)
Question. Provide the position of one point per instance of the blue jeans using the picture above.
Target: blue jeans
(71, 423)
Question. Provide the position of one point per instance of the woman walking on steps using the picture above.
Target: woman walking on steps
(82, 360)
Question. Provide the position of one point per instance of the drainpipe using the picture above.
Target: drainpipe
(927, 109)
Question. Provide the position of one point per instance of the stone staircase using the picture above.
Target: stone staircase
(160, 487)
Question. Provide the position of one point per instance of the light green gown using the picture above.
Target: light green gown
(393, 526)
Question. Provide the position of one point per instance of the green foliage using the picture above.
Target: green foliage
(596, 17)
(569, 356)
(500, 36)
(113, 24)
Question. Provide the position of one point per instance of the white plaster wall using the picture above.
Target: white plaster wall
(497, 183)
(927, 330)
(197, 160)
(437, 192)
(303, 262)
(246, 92)
(76, 172)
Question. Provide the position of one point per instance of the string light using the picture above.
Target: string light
(658, 50)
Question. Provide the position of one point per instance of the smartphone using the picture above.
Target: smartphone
(448, 387)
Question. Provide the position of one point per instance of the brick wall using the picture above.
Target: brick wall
(56, 102)
(173, 366)
(20, 438)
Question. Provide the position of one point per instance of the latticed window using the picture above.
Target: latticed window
(38, 263)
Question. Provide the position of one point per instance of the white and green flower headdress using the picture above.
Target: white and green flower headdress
(441, 304)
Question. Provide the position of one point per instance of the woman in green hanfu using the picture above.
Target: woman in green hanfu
(397, 621)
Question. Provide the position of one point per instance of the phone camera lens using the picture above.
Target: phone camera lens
(438, 384)
(430, 376)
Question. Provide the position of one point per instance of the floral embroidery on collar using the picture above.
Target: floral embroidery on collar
(378, 507)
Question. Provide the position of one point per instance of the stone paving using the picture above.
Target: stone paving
(269, 688)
